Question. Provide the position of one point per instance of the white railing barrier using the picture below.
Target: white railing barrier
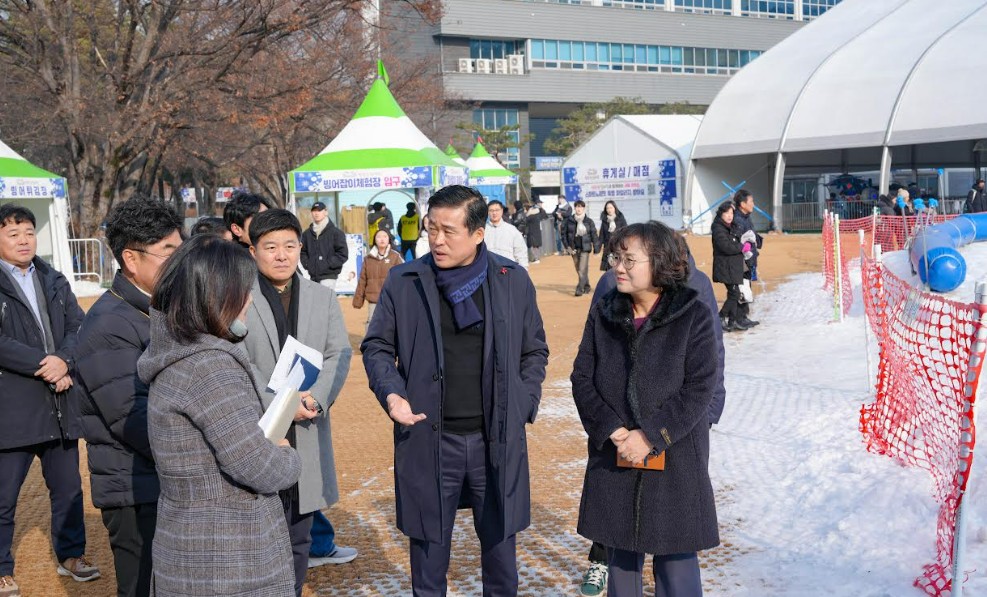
(91, 260)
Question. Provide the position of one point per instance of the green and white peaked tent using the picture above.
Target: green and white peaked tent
(379, 149)
(452, 153)
(486, 171)
(43, 193)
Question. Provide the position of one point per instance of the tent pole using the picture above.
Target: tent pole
(885, 183)
(776, 191)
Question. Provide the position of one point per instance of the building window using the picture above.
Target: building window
(813, 8)
(641, 4)
(774, 9)
(548, 53)
(492, 49)
(494, 118)
(721, 7)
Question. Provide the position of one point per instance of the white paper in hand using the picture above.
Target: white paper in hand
(292, 353)
(278, 417)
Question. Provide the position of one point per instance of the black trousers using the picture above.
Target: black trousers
(676, 575)
(300, 533)
(131, 530)
(745, 308)
(464, 474)
(731, 306)
(408, 245)
(60, 468)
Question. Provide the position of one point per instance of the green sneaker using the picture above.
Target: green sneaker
(595, 580)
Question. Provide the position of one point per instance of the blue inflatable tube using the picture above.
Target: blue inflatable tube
(934, 253)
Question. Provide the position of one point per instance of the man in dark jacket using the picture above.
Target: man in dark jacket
(885, 205)
(142, 234)
(580, 239)
(743, 228)
(324, 249)
(976, 201)
(39, 318)
(240, 210)
(460, 383)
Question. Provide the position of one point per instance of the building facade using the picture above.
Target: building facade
(532, 62)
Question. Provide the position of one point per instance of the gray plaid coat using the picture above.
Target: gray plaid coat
(221, 527)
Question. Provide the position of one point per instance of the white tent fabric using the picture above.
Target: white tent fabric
(7, 152)
(868, 73)
(631, 140)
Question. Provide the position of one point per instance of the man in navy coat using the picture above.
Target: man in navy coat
(456, 355)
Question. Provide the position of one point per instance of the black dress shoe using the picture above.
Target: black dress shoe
(579, 293)
(749, 322)
(740, 325)
(736, 326)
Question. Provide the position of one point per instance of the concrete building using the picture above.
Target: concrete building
(533, 62)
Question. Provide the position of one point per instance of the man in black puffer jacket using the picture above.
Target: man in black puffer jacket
(142, 234)
(743, 228)
(324, 249)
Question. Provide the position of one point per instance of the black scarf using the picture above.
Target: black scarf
(287, 323)
(458, 284)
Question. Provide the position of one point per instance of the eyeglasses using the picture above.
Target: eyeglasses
(614, 260)
(161, 257)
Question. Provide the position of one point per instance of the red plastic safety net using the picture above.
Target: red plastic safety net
(926, 387)
(891, 233)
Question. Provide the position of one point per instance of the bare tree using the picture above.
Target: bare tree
(127, 91)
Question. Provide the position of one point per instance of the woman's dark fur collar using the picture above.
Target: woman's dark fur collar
(616, 307)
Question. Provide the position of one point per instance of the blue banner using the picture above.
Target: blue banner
(32, 188)
(641, 180)
(354, 180)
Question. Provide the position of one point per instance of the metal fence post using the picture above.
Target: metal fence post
(971, 390)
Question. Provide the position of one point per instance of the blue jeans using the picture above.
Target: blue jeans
(323, 536)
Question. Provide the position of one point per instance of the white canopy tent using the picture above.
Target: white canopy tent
(639, 162)
(870, 85)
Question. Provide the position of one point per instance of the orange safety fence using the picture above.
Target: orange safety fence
(891, 233)
(929, 370)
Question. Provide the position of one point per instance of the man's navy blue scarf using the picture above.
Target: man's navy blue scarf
(458, 284)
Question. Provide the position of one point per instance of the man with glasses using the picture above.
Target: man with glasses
(142, 234)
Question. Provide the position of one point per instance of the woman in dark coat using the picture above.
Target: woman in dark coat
(642, 382)
(728, 265)
(221, 528)
(611, 220)
(533, 219)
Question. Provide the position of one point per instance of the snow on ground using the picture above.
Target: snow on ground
(817, 513)
(88, 288)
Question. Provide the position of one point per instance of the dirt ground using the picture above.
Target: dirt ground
(551, 555)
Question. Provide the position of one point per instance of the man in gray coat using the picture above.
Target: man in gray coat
(285, 304)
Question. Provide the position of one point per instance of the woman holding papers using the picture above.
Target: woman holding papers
(642, 382)
(220, 528)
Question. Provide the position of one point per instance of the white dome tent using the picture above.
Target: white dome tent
(870, 85)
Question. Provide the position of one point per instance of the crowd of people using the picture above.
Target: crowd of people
(168, 374)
